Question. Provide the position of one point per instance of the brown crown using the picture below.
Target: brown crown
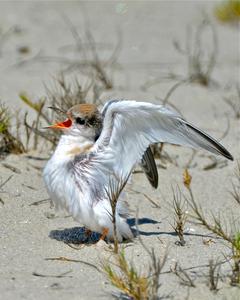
(83, 109)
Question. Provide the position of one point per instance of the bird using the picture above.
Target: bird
(100, 148)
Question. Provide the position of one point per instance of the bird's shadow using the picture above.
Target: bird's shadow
(75, 235)
(78, 235)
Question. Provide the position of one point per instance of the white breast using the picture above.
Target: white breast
(60, 182)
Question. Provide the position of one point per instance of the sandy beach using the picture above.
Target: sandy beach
(33, 236)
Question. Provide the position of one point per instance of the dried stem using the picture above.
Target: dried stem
(214, 274)
(155, 268)
(234, 102)
(199, 63)
(217, 228)
(59, 100)
(114, 190)
(184, 277)
(180, 216)
(10, 143)
(236, 185)
(127, 279)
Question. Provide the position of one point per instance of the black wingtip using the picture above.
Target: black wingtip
(154, 182)
(216, 145)
(223, 151)
(230, 157)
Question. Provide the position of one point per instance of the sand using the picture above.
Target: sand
(30, 234)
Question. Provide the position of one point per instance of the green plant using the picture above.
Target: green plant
(236, 185)
(235, 277)
(217, 227)
(131, 282)
(9, 143)
(126, 278)
(228, 11)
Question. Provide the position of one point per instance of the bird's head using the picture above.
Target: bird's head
(82, 120)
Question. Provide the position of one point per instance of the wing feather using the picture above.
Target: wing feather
(129, 127)
(149, 167)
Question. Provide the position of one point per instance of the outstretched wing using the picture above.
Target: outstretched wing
(147, 163)
(129, 127)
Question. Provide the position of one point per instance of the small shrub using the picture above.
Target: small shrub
(228, 11)
(9, 143)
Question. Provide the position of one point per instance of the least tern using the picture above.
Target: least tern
(98, 146)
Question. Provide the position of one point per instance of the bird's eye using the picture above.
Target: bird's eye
(80, 121)
(91, 121)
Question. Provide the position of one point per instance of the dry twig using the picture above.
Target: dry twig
(9, 143)
(184, 277)
(180, 216)
(216, 227)
(113, 192)
(214, 275)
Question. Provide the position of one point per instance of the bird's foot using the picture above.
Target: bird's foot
(101, 243)
(104, 234)
(88, 232)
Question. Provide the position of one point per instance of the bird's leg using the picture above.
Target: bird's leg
(88, 232)
(104, 233)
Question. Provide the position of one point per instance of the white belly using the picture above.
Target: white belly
(67, 194)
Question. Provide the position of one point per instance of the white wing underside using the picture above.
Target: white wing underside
(129, 127)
